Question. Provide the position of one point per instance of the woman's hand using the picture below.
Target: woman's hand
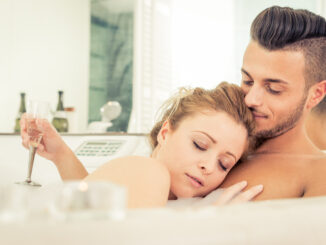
(51, 147)
(234, 194)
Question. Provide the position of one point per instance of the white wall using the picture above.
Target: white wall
(322, 7)
(202, 42)
(44, 47)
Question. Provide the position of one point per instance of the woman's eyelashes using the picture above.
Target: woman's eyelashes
(222, 165)
(199, 146)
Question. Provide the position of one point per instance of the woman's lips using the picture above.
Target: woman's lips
(195, 181)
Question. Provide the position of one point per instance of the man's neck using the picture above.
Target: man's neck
(316, 129)
(294, 141)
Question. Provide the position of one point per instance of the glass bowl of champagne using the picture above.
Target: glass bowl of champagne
(35, 110)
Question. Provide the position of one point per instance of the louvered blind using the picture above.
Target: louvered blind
(152, 82)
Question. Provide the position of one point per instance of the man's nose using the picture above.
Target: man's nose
(254, 97)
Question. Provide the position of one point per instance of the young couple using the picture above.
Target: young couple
(203, 133)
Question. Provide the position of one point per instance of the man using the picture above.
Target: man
(284, 77)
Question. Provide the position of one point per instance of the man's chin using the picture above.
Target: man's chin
(261, 130)
(265, 133)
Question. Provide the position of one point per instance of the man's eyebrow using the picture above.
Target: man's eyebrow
(245, 72)
(270, 80)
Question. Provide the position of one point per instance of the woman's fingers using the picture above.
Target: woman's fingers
(234, 194)
(25, 143)
(230, 192)
(247, 195)
(40, 148)
(50, 143)
(46, 127)
(23, 131)
(42, 125)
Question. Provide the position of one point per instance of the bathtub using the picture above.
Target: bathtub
(269, 222)
(287, 221)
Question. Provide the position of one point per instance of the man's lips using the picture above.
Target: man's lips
(259, 115)
(195, 181)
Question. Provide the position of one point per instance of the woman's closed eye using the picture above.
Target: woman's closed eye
(226, 163)
(222, 165)
(199, 146)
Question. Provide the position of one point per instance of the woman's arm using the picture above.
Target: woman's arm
(53, 148)
(147, 181)
(69, 166)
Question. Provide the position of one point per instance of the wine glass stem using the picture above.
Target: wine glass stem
(32, 151)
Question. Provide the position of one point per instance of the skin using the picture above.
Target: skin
(316, 128)
(195, 148)
(206, 150)
(289, 164)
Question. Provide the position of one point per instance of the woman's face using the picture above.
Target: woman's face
(200, 152)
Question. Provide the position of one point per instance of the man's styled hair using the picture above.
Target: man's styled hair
(277, 28)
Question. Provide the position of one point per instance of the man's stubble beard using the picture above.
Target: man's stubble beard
(285, 125)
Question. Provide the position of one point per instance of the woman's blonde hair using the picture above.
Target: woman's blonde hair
(225, 97)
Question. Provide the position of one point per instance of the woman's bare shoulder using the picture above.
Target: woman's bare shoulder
(133, 165)
(146, 179)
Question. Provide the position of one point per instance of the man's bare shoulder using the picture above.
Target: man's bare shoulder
(316, 178)
(283, 175)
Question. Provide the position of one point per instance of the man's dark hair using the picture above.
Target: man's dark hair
(285, 28)
(276, 27)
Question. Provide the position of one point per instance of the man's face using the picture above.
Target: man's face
(274, 84)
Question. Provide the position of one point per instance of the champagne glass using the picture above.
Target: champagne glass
(35, 110)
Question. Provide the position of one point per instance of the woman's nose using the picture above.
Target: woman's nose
(207, 167)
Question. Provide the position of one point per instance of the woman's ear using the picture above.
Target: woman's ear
(318, 92)
(163, 132)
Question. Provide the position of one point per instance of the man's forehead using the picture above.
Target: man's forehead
(254, 47)
(286, 65)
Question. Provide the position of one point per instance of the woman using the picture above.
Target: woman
(200, 137)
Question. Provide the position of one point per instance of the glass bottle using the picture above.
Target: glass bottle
(22, 110)
(60, 121)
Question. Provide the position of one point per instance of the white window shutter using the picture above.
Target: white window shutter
(152, 79)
